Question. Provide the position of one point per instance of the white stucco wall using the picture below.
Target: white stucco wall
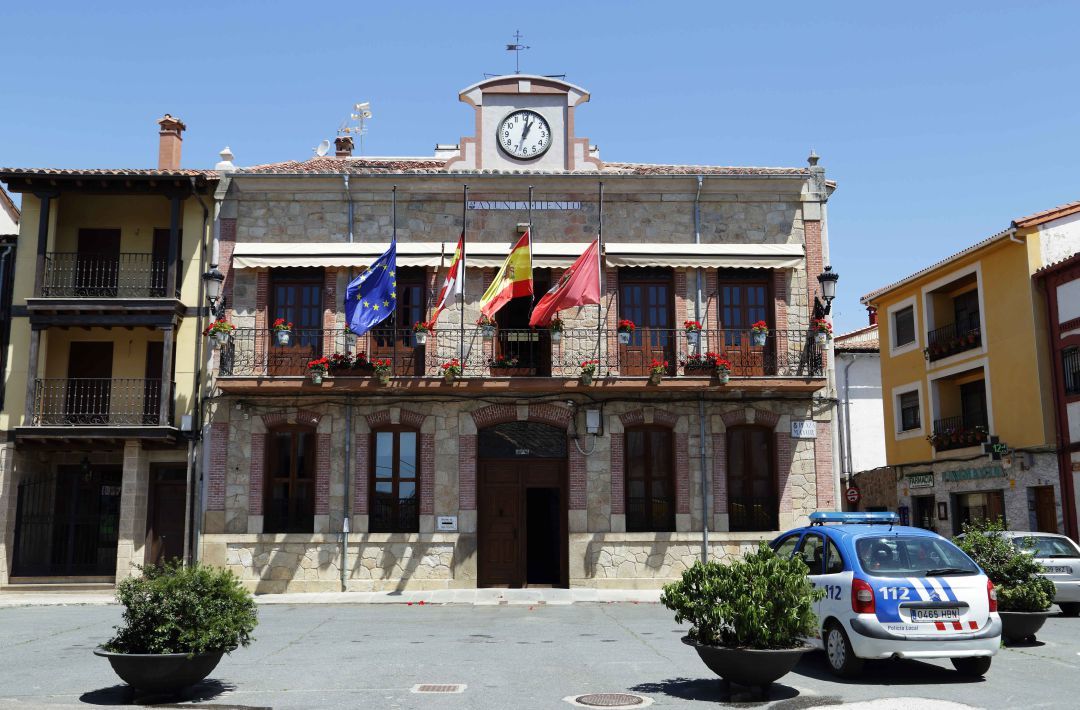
(1059, 238)
(864, 405)
(8, 225)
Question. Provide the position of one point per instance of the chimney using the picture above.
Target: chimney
(343, 146)
(871, 313)
(169, 140)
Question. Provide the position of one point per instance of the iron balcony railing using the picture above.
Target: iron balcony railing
(1071, 362)
(98, 402)
(75, 275)
(519, 352)
(958, 432)
(954, 338)
(749, 513)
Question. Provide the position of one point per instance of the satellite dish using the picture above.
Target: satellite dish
(323, 149)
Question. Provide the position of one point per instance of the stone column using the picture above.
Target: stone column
(133, 495)
(8, 488)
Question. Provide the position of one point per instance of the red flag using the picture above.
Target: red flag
(579, 285)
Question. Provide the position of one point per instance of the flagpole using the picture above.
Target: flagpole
(393, 240)
(461, 293)
(600, 275)
(532, 244)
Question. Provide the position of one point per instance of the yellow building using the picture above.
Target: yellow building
(964, 360)
(103, 373)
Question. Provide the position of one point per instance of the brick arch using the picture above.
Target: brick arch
(306, 417)
(362, 462)
(762, 417)
(661, 417)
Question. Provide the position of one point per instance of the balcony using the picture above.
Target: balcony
(953, 339)
(522, 355)
(117, 407)
(957, 433)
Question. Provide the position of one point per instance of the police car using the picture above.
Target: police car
(894, 591)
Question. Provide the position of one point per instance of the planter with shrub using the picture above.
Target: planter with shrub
(749, 617)
(178, 621)
(1023, 595)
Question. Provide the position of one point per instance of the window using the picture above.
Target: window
(904, 326)
(966, 312)
(908, 404)
(973, 404)
(812, 552)
(973, 507)
(1070, 359)
(393, 338)
(395, 494)
(650, 490)
(835, 562)
(745, 296)
(910, 556)
(787, 546)
(290, 481)
(296, 296)
(646, 297)
(753, 503)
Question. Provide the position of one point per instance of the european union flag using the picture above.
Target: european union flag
(372, 296)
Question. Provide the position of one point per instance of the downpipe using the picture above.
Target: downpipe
(346, 499)
(698, 308)
(193, 499)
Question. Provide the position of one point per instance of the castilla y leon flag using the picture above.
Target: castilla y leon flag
(455, 281)
(514, 278)
(579, 285)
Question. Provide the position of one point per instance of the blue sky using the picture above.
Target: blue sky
(941, 122)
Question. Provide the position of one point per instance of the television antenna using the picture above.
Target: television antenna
(355, 125)
(517, 47)
(322, 149)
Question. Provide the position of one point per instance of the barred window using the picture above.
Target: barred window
(650, 486)
(395, 494)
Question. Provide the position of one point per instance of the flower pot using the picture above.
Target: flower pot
(283, 337)
(748, 666)
(722, 376)
(316, 377)
(624, 337)
(161, 672)
(758, 339)
(654, 378)
(586, 378)
(497, 371)
(556, 336)
(382, 377)
(693, 337)
(221, 337)
(822, 340)
(420, 336)
(449, 377)
(1019, 626)
(488, 331)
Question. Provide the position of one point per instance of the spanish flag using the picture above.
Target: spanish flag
(513, 280)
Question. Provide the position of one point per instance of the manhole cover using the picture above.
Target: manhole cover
(610, 700)
(439, 688)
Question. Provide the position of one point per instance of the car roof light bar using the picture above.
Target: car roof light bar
(854, 518)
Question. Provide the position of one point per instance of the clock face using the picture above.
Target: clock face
(524, 134)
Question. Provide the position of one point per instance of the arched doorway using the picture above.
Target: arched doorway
(522, 506)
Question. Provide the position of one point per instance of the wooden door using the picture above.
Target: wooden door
(1045, 509)
(165, 517)
(646, 297)
(289, 505)
(753, 503)
(743, 303)
(97, 267)
(89, 385)
(152, 384)
(499, 519)
(297, 297)
(393, 338)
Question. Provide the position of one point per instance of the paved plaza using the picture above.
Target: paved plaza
(507, 656)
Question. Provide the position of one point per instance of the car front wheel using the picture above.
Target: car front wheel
(975, 667)
(1070, 608)
(838, 651)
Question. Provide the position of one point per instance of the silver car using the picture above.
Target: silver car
(1060, 560)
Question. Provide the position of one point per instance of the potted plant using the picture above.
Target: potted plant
(693, 332)
(317, 370)
(361, 364)
(748, 617)
(339, 363)
(723, 370)
(220, 331)
(382, 370)
(487, 326)
(177, 623)
(420, 331)
(451, 369)
(759, 331)
(1023, 594)
(822, 332)
(588, 371)
(556, 328)
(282, 332)
(625, 329)
(503, 366)
(701, 365)
(657, 370)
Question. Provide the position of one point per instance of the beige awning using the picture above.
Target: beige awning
(256, 255)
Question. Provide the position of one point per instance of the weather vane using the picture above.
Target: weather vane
(516, 49)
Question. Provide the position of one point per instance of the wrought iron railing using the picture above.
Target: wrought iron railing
(753, 514)
(653, 514)
(520, 352)
(958, 432)
(1071, 362)
(954, 338)
(75, 275)
(98, 402)
(390, 516)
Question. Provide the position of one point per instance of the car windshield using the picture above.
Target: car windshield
(1048, 546)
(912, 556)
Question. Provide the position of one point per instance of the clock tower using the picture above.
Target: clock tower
(523, 122)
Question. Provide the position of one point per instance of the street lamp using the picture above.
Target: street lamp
(213, 280)
(827, 279)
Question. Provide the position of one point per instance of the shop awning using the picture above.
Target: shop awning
(255, 255)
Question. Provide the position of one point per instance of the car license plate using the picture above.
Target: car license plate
(1057, 569)
(936, 614)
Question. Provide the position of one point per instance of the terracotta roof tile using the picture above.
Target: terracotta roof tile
(861, 340)
(1062, 263)
(1047, 215)
(106, 172)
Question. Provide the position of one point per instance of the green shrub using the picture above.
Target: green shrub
(177, 609)
(1015, 574)
(760, 601)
